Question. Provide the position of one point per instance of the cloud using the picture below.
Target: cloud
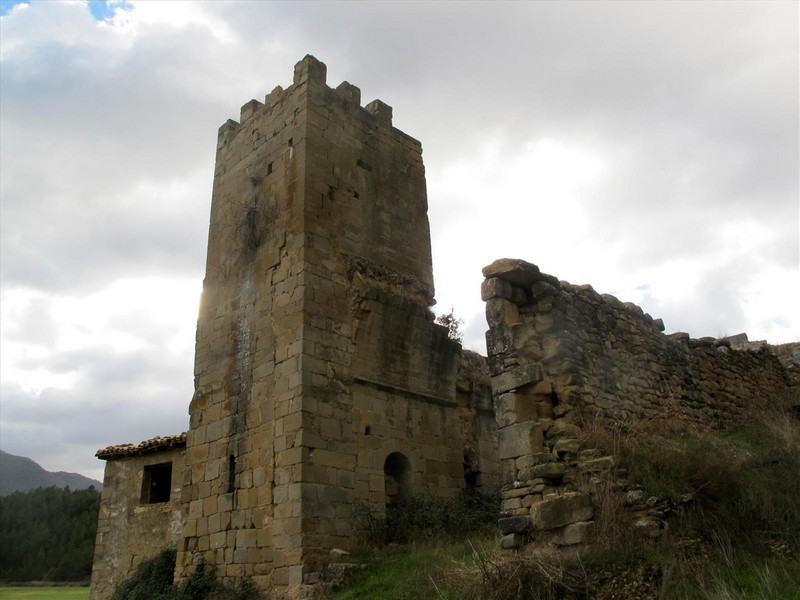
(649, 149)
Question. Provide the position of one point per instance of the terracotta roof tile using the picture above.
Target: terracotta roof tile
(152, 445)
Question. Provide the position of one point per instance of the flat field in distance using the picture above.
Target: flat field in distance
(44, 593)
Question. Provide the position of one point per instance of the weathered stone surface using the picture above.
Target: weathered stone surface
(650, 526)
(501, 312)
(595, 465)
(514, 525)
(613, 358)
(519, 440)
(561, 428)
(567, 445)
(511, 541)
(516, 378)
(515, 271)
(551, 470)
(572, 534)
(563, 510)
(496, 288)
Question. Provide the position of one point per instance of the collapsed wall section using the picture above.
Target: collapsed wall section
(611, 359)
(561, 355)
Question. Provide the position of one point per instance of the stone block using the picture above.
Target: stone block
(572, 534)
(515, 271)
(518, 440)
(501, 312)
(558, 511)
(495, 288)
(551, 470)
(514, 525)
(511, 541)
(561, 428)
(596, 465)
(567, 446)
(516, 377)
(514, 407)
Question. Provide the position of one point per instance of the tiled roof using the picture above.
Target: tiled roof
(157, 443)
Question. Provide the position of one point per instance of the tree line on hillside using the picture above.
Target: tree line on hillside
(48, 534)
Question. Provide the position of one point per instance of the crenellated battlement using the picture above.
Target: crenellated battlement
(311, 73)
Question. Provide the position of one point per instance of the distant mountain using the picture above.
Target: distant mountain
(20, 474)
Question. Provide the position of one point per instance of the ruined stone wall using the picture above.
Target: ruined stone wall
(560, 355)
(130, 528)
(611, 359)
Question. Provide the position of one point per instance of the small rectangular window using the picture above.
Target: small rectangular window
(269, 168)
(157, 483)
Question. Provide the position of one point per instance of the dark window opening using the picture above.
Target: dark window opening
(157, 483)
(554, 399)
(396, 472)
(471, 470)
(231, 473)
(269, 168)
(290, 142)
(355, 194)
(367, 430)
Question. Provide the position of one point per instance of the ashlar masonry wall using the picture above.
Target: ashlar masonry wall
(560, 354)
(321, 381)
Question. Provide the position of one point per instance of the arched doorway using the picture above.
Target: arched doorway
(396, 474)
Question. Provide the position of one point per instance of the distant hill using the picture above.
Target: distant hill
(20, 474)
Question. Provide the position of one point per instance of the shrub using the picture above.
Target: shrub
(153, 580)
(420, 518)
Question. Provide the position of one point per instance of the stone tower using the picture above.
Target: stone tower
(321, 381)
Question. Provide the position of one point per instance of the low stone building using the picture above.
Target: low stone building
(141, 510)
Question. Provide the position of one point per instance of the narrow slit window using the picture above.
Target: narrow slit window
(269, 168)
(157, 483)
(231, 474)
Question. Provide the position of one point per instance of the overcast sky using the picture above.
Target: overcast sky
(650, 149)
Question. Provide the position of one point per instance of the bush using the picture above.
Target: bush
(153, 580)
(418, 518)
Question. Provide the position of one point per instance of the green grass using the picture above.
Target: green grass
(403, 574)
(44, 593)
(730, 498)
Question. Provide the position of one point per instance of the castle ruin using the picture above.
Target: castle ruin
(323, 384)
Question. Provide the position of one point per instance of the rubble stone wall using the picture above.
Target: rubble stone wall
(560, 354)
(612, 359)
(130, 529)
